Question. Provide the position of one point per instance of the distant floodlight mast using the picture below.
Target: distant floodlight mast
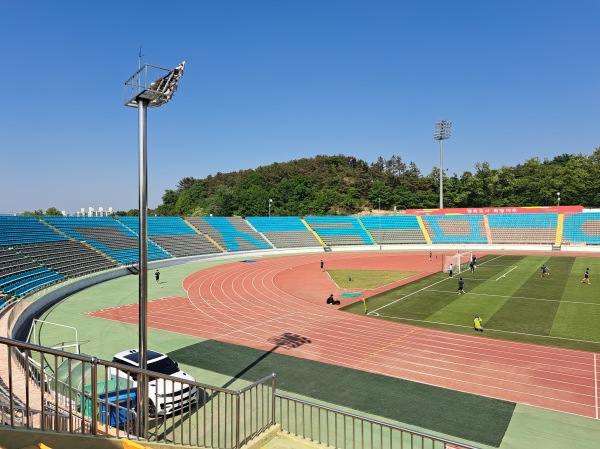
(149, 87)
(270, 202)
(558, 198)
(442, 132)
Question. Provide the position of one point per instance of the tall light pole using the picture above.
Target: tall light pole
(270, 202)
(442, 132)
(558, 197)
(149, 87)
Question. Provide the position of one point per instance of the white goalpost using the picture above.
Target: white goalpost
(460, 262)
(65, 337)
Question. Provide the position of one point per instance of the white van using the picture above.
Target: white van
(164, 396)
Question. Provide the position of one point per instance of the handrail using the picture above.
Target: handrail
(188, 413)
(362, 421)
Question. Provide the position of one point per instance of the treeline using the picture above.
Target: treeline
(330, 185)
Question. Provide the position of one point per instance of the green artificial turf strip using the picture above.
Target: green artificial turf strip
(447, 411)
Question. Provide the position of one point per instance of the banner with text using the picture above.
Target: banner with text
(497, 210)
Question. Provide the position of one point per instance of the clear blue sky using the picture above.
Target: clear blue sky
(271, 81)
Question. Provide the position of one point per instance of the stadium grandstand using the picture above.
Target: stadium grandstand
(36, 252)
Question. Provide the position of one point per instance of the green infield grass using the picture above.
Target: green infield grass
(509, 293)
(366, 279)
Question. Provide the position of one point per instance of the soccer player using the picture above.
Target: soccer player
(322, 264)
(477, 324)
(451, 269)
(472, 267)
(474, 260)
(461, 285)
(586, 277)
(545, 270)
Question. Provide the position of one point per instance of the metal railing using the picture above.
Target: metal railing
(52, 390)
(344, 430)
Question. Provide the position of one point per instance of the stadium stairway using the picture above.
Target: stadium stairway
(314, 233)
(559, 229)
(424, 230)
(19, 438)
(488, 233)
(210, 239)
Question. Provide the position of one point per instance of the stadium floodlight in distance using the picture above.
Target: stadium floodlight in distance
(270, 202)
(442, 132)
(142, 93)
(558, 198)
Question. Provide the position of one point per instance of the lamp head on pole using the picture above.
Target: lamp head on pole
(442, 130)
(156, 85)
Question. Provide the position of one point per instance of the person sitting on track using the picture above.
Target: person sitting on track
(477, 324)
(330, 300)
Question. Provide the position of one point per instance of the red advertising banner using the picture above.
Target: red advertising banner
(496, 210)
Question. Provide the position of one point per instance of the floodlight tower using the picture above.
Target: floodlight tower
(270, 202)
(149, 87)
(442, 132)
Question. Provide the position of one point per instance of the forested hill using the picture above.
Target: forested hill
(340, 184)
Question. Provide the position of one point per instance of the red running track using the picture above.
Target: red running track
(255, 304)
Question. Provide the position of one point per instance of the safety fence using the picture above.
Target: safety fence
(51, 390)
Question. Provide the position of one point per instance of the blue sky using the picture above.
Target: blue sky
(272, 81)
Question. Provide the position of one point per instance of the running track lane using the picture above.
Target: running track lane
(252, 304)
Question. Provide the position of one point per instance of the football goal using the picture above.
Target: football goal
(459, 262)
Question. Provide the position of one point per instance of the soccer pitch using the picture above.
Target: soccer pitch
(510, 295)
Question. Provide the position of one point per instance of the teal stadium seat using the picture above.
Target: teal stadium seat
(583, 227)
(340, 230)
(455, 228)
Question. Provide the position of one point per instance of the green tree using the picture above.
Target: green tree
(35, 213)
(53, 211)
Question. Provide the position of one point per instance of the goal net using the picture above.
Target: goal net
(459, 262)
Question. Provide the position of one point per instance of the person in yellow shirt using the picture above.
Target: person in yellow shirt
(477, 324)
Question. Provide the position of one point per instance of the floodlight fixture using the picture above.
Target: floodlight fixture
(270, 202)
(558, 198)
(153, 84)
(150, 87)
(441, 132)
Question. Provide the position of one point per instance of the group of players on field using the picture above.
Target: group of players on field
(473, 263)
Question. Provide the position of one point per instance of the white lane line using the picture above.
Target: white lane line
(504, 275)
(410, 294)
(596, 384)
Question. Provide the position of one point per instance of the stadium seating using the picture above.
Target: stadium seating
(284, 232)
(25, 229)
(455, 228)
(394, 229)
(107, 235)
(22, 283)
(523, 228)
(67, 257)
(340, 230)
(174, 235)
(232, 233)
(583, 227)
